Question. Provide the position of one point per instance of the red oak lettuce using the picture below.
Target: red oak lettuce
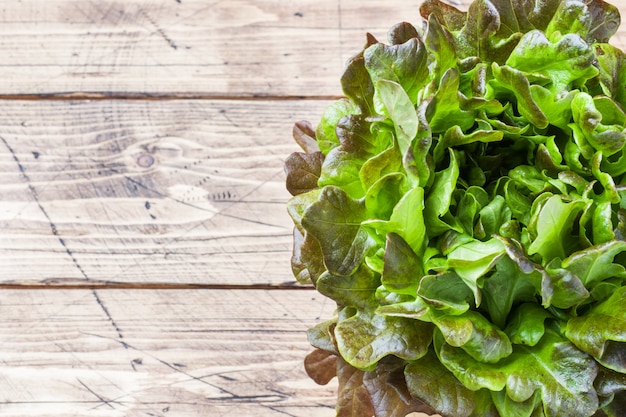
(465, 207)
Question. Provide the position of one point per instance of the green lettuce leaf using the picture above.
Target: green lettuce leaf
(335, 222)
(473, 260)
(444, 110)
(507, 287)
(446, 293)
(561, 374)
(322, 336)
(507, 407)
(476, 335)
(484, 35)
(596, 21)
(612, 72)
(355, 290)
(438, 200)
(365, 338)
(428, 380)
(552, 223)
(404, 64)
(510, 80)
(528, 324)
(325, 133)
(383, 196)
(596, 263)
(406, 220)
(386, 162)
(403, 269)
(602, 331)
(564, 62)
(397, 105)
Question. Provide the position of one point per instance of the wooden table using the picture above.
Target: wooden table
(144, 242)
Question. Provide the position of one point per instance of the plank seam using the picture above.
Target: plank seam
(130, 96)
(75, 284)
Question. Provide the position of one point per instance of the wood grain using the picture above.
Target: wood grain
(147, 191)
(141, 151)
(234, 48)
(155, 353)
(193, 48)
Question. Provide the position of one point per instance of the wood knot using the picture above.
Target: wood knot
(145, 160)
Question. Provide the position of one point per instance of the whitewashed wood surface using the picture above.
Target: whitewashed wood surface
(144, 242)
(238, 48)
(158, 353)
(147, 191)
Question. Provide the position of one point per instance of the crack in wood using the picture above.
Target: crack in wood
(103, 400)
(278, 410)
(214, 212)
(172, 366)
(160, 31)
(35, 196)
(110, 318)
(55, 231)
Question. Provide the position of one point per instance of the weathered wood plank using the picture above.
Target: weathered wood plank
(232, 48)
(159, 353)
(190, 47)
(152, 191)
